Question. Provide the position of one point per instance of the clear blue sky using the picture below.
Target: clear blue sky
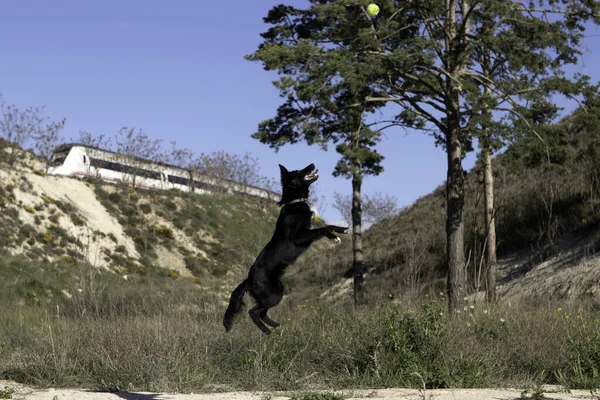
(176, 70)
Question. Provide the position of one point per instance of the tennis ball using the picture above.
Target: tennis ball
(373, 9)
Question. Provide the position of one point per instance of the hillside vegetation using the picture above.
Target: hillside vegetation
(208, 239)
(112, 288)
(547, 221)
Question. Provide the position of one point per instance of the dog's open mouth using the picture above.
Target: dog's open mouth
(312, 176)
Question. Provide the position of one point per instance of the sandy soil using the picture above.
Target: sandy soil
(98, 218)
(83, 197)
(23, 392)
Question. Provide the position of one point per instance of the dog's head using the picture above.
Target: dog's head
(295, 184)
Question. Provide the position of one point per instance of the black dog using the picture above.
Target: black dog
(292, 236)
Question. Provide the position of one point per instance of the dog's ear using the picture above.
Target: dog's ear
(309, 167)
(283, 170)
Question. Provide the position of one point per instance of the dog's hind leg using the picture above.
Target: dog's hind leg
(255, 313)
(268, 320)
(258, 313)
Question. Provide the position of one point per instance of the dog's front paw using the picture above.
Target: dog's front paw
(337, 240)
(339, 229)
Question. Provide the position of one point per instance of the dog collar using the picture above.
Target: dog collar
(294, 201)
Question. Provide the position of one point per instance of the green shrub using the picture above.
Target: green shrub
(164, 231)
(196, 264)
(77, 220)
(170, 205)
(47, 199)
(7, 393)
(115, 197)
(416, 345)
(582, 331)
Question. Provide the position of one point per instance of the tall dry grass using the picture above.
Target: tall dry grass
(166, 335)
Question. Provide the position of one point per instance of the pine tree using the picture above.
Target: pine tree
(481, 70)
(327, 58)
(459, 69)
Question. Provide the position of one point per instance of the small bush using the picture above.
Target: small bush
(77, 220)
(48, 238)
(115, 198)
(196, 264)
(47, 199)
(12, 213)
(7, 393)
(195, 280)
(27, 231)
(218, 271)
(60, 233)
(583, 340)
(164, 231)
(170, 205)
(416, 343)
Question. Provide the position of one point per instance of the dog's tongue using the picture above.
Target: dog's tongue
(312, 174)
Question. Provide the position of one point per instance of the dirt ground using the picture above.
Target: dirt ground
(27, 393)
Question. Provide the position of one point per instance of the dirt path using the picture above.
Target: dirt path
(26, 393)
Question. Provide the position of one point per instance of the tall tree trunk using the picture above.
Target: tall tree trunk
(488, 184)
(490, 224)
(455, 194)
(357, 262)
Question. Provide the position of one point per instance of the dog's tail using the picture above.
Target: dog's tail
(236, 304)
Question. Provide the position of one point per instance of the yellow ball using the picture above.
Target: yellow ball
(373, 9)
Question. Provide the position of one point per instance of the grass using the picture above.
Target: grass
(65, 324)
(155, 334)
(7, 393)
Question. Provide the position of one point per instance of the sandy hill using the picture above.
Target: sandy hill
(209, 239)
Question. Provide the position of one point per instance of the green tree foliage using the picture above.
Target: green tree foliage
(327, 59)
(462, 70)
(323, 56)
(485, 70)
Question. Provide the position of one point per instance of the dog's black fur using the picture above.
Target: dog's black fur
(292, 236)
